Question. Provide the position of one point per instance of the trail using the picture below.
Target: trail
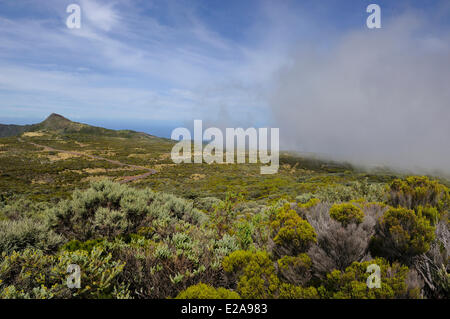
(126, 179)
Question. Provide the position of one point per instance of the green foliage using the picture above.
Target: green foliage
(401, 234)
(295, 269)
(204, 291)
(257, 277)
(109, 209)
(292, 235)
(244, 234)
(415, 191)
(346, 213)
(88, 245)
(27, 233)
(396, 282)
(256, 274)
(32, 274)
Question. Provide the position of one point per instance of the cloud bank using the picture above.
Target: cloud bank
(375, 97)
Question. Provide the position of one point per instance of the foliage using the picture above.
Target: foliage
(17, 235)
(292, 235)
(109, 209)
(402, 234)
(338, 245)
(204, 291)
(415, 191)
(396, 282)
(32, 274)
(346, 213)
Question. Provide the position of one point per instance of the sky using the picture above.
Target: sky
(311, 68)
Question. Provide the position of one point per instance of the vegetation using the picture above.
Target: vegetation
(208, 231)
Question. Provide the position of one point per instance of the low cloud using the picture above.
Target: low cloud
(374, 97)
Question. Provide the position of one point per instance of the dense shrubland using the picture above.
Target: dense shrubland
(138, 243)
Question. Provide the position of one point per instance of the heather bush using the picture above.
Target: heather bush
(256, 276)
(346, 213)
(401, 234)
(397, 281)
(204, 291)
(434, 265)
(254, 272)
(292, 235)
(415, 191)
(295, 269)
(338, 246)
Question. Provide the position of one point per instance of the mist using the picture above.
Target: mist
(373, 97)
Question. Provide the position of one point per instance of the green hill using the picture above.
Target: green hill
(60, 125)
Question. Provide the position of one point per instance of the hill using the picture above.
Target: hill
(58, 124)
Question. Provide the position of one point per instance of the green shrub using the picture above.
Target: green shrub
(289, 291)
(32, 274)
(292, 235)
(295, 269)
(256, 275)
(27, 233)
(401, 235)
(415, 191)
(204, 291)
(110, 209)
(88, 245)
(396, 282)
(346, 213)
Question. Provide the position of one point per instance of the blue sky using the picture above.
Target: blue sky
(153, 65)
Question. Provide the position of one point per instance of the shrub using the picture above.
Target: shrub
(292, 235)
(346, 213)
(370, 192)
(32, 274)
(27, 233)
(433, 266)
(338, 246)
(257, 278)
(204, 291)
(401, 235)
(288, 291)
(396, 282)
(415, 191)
(295, 270)
(255, 273)
(108, 209)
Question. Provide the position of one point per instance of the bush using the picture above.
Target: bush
(338, 246)
(203, 291)
(108, 209)
(346, 213)
(295, 270)
(256, 276)
(401, 235)
(434, 265)
(396, 282)
(27, 233)
(292, 235)
(369, 192)
(417, 191)
(32, 274)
